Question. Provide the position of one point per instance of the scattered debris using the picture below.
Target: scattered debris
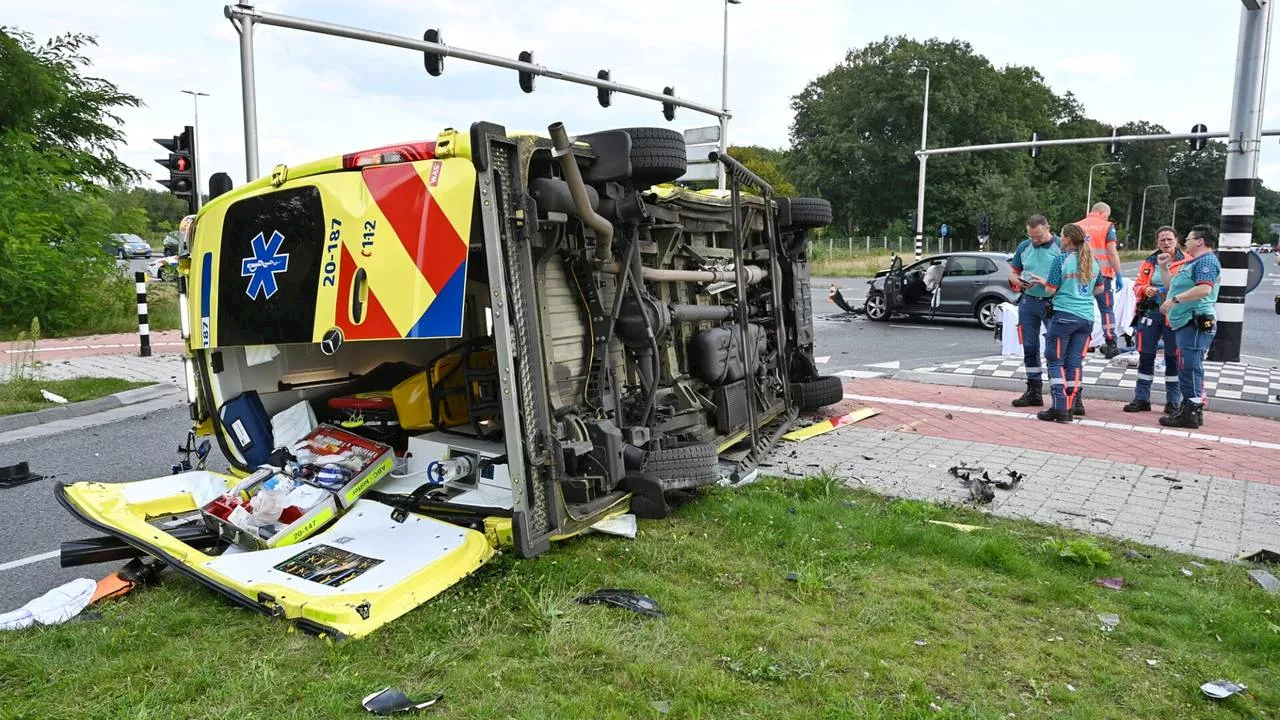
(53, 397)
(620, 525)
(867, 457)
(980, 491)
(1100, 519)
(1200, 565)
(1071, 687)
(1109, 621)
(662, 706)
(935, 707)
(1176, 487)
(18, 474)
(949, 416)
(1221, 689)
(792, 577)
(625, 599)
(1073, 513)
(1187, 572)
(921, 643)
(1110, 583)
(909, 427)
(835, 297)
(1266, 580)
(826, 426)
(1262, 555)
(1015, 477)
(1170, 478)
(56, 606)
(1134, 554)
(1152, 662)
(390, 700)
(958, 526)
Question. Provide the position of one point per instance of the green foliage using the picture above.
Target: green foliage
(1080, 550)
(58, 131)
(769, 164)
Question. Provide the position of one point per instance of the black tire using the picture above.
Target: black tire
(987, 312)
(825, 390)
(657, 155)
(875, 306)
(808, 213)
(684, 468)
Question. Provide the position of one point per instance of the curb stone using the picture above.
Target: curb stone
(87, 407)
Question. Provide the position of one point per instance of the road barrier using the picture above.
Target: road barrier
(144, 329)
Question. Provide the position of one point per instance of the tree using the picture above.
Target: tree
(58, 134)
(768, 164)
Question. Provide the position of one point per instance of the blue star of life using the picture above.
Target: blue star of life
(261, 269)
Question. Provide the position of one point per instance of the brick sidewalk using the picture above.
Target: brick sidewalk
(1156, 488)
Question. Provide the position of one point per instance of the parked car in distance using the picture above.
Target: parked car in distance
(971, 285)
(164, 268)
(128, 245)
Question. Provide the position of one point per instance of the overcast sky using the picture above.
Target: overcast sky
(320, 96)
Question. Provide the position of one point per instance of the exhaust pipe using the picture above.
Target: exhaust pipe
(563, 149)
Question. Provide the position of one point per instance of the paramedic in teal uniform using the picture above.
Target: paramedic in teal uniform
(1031, 262)
(1193, 290)
(1072, 283)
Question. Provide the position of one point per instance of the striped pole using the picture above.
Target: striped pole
(1244, 143)
(144, 330)
(924, 159)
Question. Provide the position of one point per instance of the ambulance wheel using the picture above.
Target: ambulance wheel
(657, 155)
(808, 213)
(684, 468)
(825, 390)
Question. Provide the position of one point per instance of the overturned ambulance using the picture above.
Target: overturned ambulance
(416, 355)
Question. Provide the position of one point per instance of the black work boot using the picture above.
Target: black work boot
(1033, 397)
(1052, 415)
(1077, 405)
(1170, 408)
(1183, 417)
(1136, 405)
(1196, 414)
(1109, 349)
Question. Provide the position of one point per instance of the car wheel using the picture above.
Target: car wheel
(988, 313)
(876, 307)
(820, 392)
(684, 468)
(658, 155)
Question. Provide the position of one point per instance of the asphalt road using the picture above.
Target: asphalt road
(136, 264)
(33, 524)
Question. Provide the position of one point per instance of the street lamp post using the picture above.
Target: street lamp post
(924, 159)
(195, 102)
(1088, 200)
(1142, 215)
(1173, 223)
(724, 92)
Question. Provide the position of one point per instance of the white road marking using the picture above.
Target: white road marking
(822, 359)
(919, 327)
(891, 365)
(1092, 423)
(29, 560)
(859, 374)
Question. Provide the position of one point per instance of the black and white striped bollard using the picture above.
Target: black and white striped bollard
(144, 329)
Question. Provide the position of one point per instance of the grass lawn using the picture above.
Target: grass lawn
(886, 616)
(21, 396)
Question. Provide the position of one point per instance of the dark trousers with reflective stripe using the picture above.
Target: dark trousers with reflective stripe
(1151, 329)
(1065, 346)
(1193, 344)
(1107, 309)
(1030, 319)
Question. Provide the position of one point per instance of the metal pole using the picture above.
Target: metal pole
(961, 149)
(924, 160)
(195, 159)
(724, 92)
(1173, 222)
(1238, 197)
(1088, 200)
(1142, 215)
(144, 327)
(248, 93)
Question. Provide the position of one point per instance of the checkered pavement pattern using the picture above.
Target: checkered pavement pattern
(1234, 381)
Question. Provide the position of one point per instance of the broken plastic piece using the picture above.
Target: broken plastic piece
(626, 599)
(1109, 621)
(826, 426)
(620, 525)
(1110, 583)
(17, 474)
(1015, 477)
(53, 397)
(1187, 572)
(959, 526)
(1220, 689)
(390, 700)
(1266, 580)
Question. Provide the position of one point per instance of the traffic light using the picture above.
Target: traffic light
(432, 62)
(604, 95)
(1197, 144)
(984, 225)
(1034, 149)
(526, 78)
(181, 164)
(669, 109)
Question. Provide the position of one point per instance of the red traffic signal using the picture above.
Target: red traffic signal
(180, 163)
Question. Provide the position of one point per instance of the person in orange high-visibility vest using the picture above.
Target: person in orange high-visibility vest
(1102, 243)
